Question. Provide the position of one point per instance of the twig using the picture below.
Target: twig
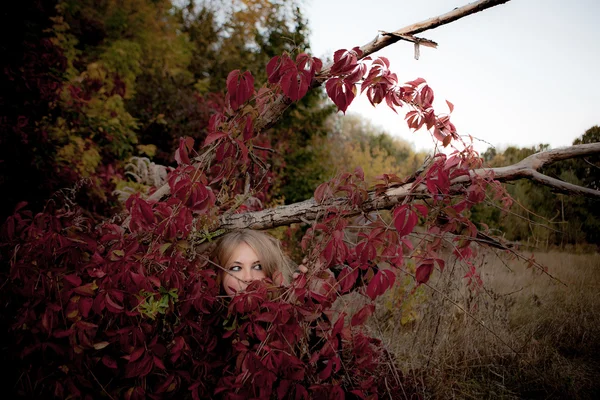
(98, 382)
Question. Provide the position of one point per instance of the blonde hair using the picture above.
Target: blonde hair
(266, 247)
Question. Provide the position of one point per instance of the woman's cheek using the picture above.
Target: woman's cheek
(231, 284)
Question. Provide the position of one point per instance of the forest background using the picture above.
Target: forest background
(91, 84)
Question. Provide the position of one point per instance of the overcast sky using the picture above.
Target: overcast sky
(521, 73)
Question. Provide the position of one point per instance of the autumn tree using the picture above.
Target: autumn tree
(128, 79)
(356, 142)
(539, 217)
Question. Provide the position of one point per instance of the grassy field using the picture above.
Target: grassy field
(521, 335)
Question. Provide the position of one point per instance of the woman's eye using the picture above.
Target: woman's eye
(257, 267)
(235, 268)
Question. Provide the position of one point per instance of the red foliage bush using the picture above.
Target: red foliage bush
(129, 308)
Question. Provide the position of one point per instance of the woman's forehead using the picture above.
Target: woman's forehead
(243, 252)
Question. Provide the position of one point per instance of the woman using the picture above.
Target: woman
(245, 256)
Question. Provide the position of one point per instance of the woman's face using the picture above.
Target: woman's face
(242, 268)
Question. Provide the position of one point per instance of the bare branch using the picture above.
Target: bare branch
(528, 169)
(410, 30)
(310, 210)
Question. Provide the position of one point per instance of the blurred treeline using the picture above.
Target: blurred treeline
(87, 84)
(539, 217)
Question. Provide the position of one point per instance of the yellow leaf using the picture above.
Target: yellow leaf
(164, 247)
(100, 345)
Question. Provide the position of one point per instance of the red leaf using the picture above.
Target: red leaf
(112, 306)
(337, 393)
(393, 98)
(414, 119)
(240, 87)
(340, 92)
(422, 209)
(85, 305)
(283, 388)
(301, 392)
(426, 96)
(339, 324)
(145, 366)
(19, 206)
(295, 84)
(178, 344)
(366, 251)
(359, 173)
(109, 362)
(447, 140)
(248, 128)
(359, 394)
(135, 355)
(405, 220)
(243, 150)
(382, 280)
(73, 279)
(294, 78)
(276, 66)
(308, 63)
(441, 263)
(99, 303)
(326, 372)
(168, 385)
(357, 74)
(450, 106)
(186, 144)
(344, 61)
(416, 82)
(424, 271)
(347, 279)
(361, 316)
(213, 137)
(159, 363)
(323, 192)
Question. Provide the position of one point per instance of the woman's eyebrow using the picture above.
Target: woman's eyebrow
(240, 263)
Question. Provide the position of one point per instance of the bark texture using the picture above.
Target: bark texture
(310, 210)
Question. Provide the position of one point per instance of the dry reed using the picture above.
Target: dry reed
(520, 335)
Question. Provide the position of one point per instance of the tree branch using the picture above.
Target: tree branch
(310, 210)
(460, 12)
(528, 169)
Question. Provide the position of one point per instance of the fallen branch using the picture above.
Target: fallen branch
(310, 210)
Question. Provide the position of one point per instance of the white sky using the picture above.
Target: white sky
(521, 73)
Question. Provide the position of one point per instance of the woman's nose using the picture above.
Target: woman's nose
(247, 275)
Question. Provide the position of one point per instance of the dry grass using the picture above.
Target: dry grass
(523, 335)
